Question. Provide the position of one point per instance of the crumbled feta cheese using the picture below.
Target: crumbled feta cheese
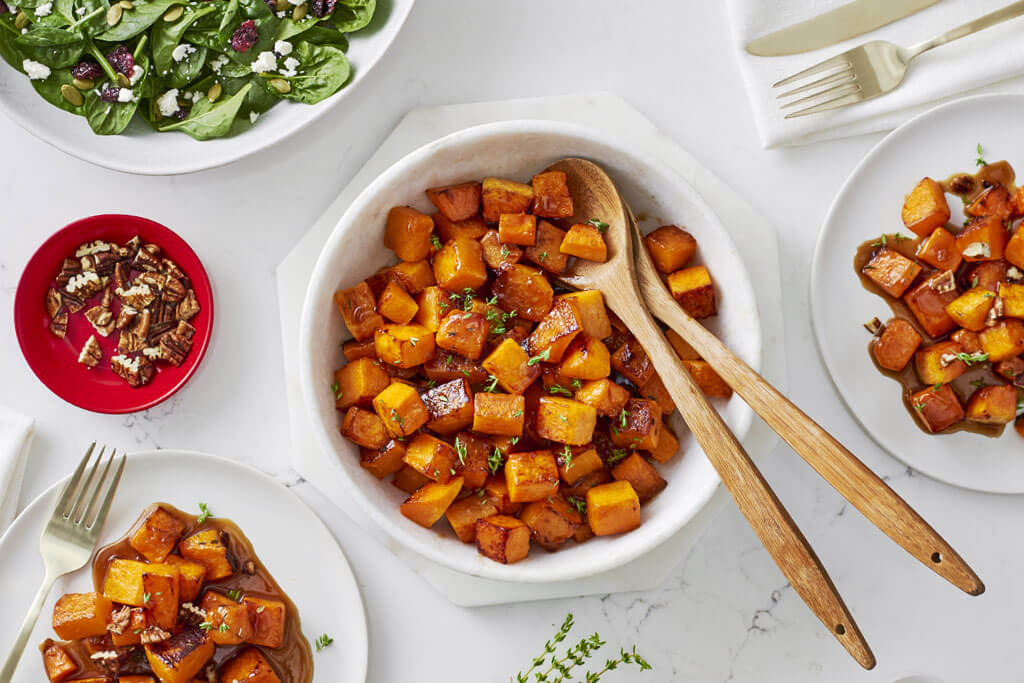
(137, 73)
(168, 102)
(35, 70)
(280, 15)
(218, 63)
(296, 2)
(125, 95)
(82, 281)
(291, 67)
(44, 10)
(283, 48)
(80, 11)
(267, 61)
(182, 51)
(90, 248)
(253, 115)
(975, 249)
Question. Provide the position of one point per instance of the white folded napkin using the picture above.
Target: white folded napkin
(983, 62)
(15, 438)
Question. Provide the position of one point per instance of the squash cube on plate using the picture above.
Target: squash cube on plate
(57, 662)
(551, 197)
(503, 539)
(613, 508)
(927, 301)
(604, 395)
(993, 405)
(383, 461)
(496, 489)
(894, 348)
(546, 251)
(585, 242)
(500, 414)
(132, 633)
(925, 208)
(460, 265)
(431, 457)
(988, 275)
(552, 521)
(1014, 251)
(580, 488)
(655, 389)
(123, 580)
(631, 361)
(456, 202)
(471, 228)
(473, 454)
(190, 577)
(396, 305)
(248, 666)
(710, 383)
(156, 534)
(638, 426)
(428, 503)
(409, 480)
(939, 250)
(970, 309)
(463, 333)
(969, 341)
(693, 289)
(1012, 369)
(1002, 341)
(496, 254)
(555, 331)
(995, 202)
(667, 448)
(586, 461)
(566, 420)
(161, 598)
(591, 311)
(671, 248)
(209, 548)
(81, 615)
(531, 476)
(983, 240)
(510, 365)
(401, 409)
(358, 382)
(504, 196)
(517, 228)
(524, 290)
(229, 619)
(939, 363)
(446, 366)
(463, 515)
(182, 656)
(358, 308)
(937, 409)
(364, 428)
(431, 305)
(354, 350)
(641, 475)
(404, 346)
(412, 276)
(407, 233)
(1013, 299)
(892, 271)
(268, 618)
(586, 358)
(450, 406)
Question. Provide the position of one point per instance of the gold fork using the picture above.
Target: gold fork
(70, 536)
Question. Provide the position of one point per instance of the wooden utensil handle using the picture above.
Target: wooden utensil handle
(839, 467)
(752, 493)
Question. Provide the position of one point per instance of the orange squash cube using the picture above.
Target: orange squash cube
(510, 365)
(401, 409)
(994, 202)
(993, 405)
(939, 250)
(927, 301)
(396, 305)
(404, 346)
(473, 459)
(546, 251)
(364, 428)
(503, 539)
(431, 457)
(1002, 341)
(892, 271)
(970, 309)
(429, 503)
(937, 409)
(463, 333)
(500, 414)
(412, 276)
(450, 406)
(137, 623)
(524, 290)
(604, 395)
(983, 240)
(613, 508)
(671, 248)
(355, 350)
(190, 577)
(504, 196)
(383, 461)
(681, 346)
(586, 358)
(988, 275)
(655, 390)
(156, 535)
(586, 242)
(939, 363)
(229, 619)
(554, 333)
(566, 420)
(358, 382)
(551, 197)
(57, 662)
(517, 228)
(496, 489)
(208, 548)
(446, 366)
(552, 521)
(925, 208)
(587, 461)
(641, 475)
(969, 341)
(638, 426)
(182, 656)
(359, 310)
(667, 448)
(531, 475)
(591, 311)
(631, 361)
(463, 515)
(471, 228)
(123, 580)
(709, 381)
(81, 615)
(497, 255)
(431, 304)
(460, 265)
(161, 598)
(268, 619)
(1012, 370)
(409, 480)
(693, 289)
(1014, 251)
(456, 202)
(250, 666)
(407, 233)
(129, 679)
(894, 348)
(1013, 299)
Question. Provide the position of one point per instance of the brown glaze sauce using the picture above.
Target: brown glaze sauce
(293, 661)
(968, 187)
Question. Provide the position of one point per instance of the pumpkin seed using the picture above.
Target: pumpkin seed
(174, 13)
(123, 81)
(127, 4)
(114, 15)
(299, 13)
(280, 85)
(281, 5)
(21, 21)
(84, 83)
(213, 94)
(72, 94)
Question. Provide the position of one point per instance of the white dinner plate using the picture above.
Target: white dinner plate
(937, 143)
(296, 547)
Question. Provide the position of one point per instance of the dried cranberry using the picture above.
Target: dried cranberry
(122, 61)
(110, 94)
(321, 8)
(245, 36)
(88, 68)
(3, 7)
(182, 113)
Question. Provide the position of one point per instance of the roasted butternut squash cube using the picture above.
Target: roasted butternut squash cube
(892, 271)
(427, 504)
(667, 448)
(57, 662)
(1014, 251)
(631, 361)
(939, 363)
(496, 254)
(401, 409)
(132, 633)
(555, 332)
(407, 233)
(190, 577)
(988, 275)
(970, 309)
(925, 208)
(524, 290)
(1003, 340)
(473, 453)
(179, 658)
(983, 240)
(364, 428)
(641, 475)
(591, 311)
(580, 488)
(1013, 299)
(551, 197)
(409, 480)
(248, 665)
(585, 462)
(496, 489)
(381, 462)
(566, 420)
(670, 247)
(604, 395)
(358, 308)
(123, 580)
(968, 341)
(994, 202)
(504, 196)
(638, 426)
(510, 365)
(655, 390)
(431, 305)
(446, 366)
(939, 250)
(355, 350)
(450, 406)
(268, 618)
(894, 348)
(586, 242)
(517, 228)
(993, 405)
(552, 521)
(546, 251)
(396, 305)
(927, 301)
(209, 548)
(404, 346)
(503, 539)
(456, 202)
(81, 615)
(500, 414)
(613, 508)
(463, 333)
(531, 475)
(161, 598)
(156, 535)
(1012, 369)
(471, 228)
(229, 619)
(586, 358)
(431, 457)
(358, 382)
(681, 346)
(937, 409)
(412, 276)
(460, 265)
(693, 289)
(463, 515)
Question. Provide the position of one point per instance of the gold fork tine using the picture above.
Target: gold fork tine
(836, 103)
(101, 514)
(833, 63)
(838, 91)
(844, 76)
(76, 477)
(99, 487)
(76, 511)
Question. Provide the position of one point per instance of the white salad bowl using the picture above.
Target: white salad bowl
(517, 150)
(143, 151)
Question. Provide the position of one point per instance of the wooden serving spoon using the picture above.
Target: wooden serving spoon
(594, 195)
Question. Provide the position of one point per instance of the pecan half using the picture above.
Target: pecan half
(102, 319)
(52, 302)
(188, 307)
(137, 371)
(91, 353)
(59, 324)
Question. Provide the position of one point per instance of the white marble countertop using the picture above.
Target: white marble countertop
(726, 614)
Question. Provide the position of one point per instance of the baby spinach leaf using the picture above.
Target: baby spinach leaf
(323, 70)
(288, 28)
(255, 9)
(352, 15)
(87, 16)
(111, 118)
(53, 47)
(8, 50)
(209, 120)
(165, 37)
(266, 28)
(227, 19)
(326, 34)
(136, 20)
(50, 87)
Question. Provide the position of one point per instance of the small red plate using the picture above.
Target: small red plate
(55, 361)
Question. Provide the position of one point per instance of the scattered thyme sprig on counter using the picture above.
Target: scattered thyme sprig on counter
(560, 667)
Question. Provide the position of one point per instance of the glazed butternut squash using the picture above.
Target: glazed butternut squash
(407, 233)
(671, 248)
(429, 503)
(925, 208)
(457, 202)
(613, 508)
(551, 197)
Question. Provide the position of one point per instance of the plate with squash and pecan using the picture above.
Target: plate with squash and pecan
(918, 295)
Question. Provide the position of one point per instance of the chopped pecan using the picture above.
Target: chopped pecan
(90, 248)
(91, 353)
(105, 262)
(174, 289)
(140, 326)
(188, 307)
(108, 297)
(84, 285)
(59, 324)
(72, 302)
(136, 296)
(158, 330)
(68, 269)
(102, 319)
(176, 345)
(130, 248)
(153, 634)
(52, 302)
(147, 258)
(171, 269)
(137, 371)
(125, 317)
(155, 281)
(120, 276)
(944, 283)
(130, 343)
(153, 352)
(119, 620)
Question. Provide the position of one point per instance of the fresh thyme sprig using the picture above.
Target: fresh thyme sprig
(560, 668)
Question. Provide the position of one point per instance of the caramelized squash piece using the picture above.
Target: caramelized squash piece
(409, 480)
(182, 656)
(565, 420)
(667, 448)
(524, 290)
(504, 196)
(57, 662)
(429, 503)
(517, 228)
(613, 508)
(268, 618)
(925, 208)
(407, 233)
(631, 361)
(586, 358)
(968, 341)
(552, 521)
(498, 255)
(1012, 299)
(894, 348)
(500, 414)
(531, 475)
(473, 453)
(1002, 341)
(463, 333)
(364, 428)
(460, 265)
(401, 409)
(358, 308)
(208, 547)
(510, 365)
(156, 535)
(404, 346)
(471, 228)
(993, 405)
(591, 311)
(555, 332)
(587, 461)
(450, 406)
(160, 593)
(456, 202)
(983, 240)
(123, 580)
(431, 305)
(988, 275)
(503, 539)
(709, 381)
(937, 409)
(927, 301)
(892, 271)
(693, 289)
(1014, 251)
(431, 457)
(939, 250)
(396, 305)
(671, 248)
(412, 276)
(229, 619)
(546, 251)
(970, 309)
(994, 202)
(250, 666)
(681, 346)
(383, 461)
(641, 475)
(939, 363)
(551, 197)
(638, 426)
(585, 242)
(604, 395)
(446, 366)
(463, 515)
(81, 615)
(358, 382)
(190, 577)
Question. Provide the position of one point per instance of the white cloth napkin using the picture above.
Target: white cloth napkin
(983, 62)
(15, 438)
